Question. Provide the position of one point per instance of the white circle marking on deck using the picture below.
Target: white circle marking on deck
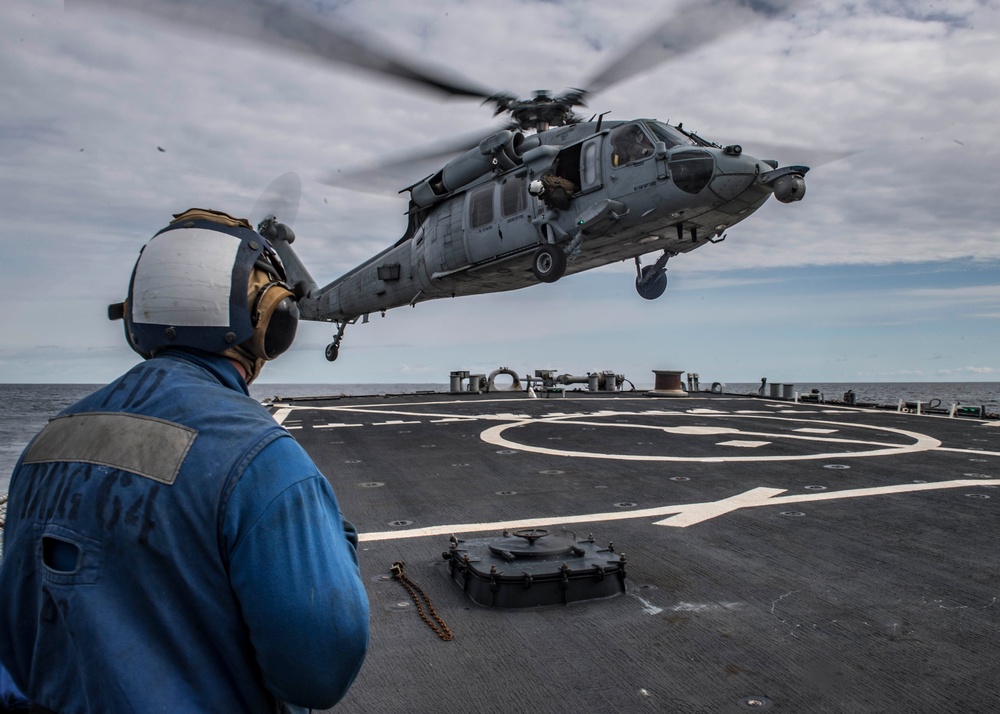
(498, 435)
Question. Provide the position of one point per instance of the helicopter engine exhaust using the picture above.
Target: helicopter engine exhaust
(498, 152)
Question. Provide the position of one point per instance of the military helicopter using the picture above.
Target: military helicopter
(550, 194)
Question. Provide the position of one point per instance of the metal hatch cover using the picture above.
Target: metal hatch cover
(532, 567)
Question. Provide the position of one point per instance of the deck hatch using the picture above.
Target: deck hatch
(532, 567)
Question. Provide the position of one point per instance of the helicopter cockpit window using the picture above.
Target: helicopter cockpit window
(629, 143)
(513, 197)
(481, 206)
(691, 169)
(668, 135)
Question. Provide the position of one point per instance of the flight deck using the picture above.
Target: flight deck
(763, 554)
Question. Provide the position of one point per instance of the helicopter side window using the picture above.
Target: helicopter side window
(590, 164)
(513, 198)
(481, 206)
(629, 143)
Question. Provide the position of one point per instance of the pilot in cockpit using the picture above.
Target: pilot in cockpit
(630, 144)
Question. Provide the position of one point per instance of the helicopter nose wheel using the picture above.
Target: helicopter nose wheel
(549, 263)
(652, 282)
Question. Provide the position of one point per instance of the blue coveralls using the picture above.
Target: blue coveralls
(169, 547)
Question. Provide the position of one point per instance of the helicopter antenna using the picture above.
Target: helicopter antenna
(600, 121)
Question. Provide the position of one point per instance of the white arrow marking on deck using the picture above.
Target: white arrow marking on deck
(699, 512)
(978, 452)
(685, 514)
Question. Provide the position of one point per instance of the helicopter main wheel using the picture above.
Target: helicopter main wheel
(549, 263)
(650, 288)
(332, 352)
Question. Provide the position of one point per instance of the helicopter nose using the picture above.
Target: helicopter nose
(735, 172)
(727, 173)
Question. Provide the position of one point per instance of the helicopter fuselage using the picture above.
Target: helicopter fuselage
(518, 210)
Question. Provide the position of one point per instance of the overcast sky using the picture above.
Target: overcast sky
(888, 270)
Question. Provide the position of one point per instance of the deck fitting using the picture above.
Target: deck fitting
(760, 703)
(531, 567)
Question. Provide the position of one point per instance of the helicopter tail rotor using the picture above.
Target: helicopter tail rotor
(274, 212)
(280, 199)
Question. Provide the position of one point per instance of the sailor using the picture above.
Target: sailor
(168, 545)
(12, 699)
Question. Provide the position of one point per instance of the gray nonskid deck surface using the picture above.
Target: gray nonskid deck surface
(780, 557)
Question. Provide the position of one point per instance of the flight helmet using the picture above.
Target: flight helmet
(208, 281)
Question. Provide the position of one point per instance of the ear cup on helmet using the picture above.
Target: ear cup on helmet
(275, 317)
(118, 312)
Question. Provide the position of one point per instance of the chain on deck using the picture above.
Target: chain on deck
(438, 625)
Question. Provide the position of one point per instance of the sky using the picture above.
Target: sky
(888, 270)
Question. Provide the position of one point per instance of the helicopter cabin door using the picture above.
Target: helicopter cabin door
(447, 250)
(497, 219)
(631, 160)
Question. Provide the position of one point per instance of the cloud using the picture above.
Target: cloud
(911, 87)
(965, 371)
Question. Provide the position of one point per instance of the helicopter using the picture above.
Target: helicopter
(547, 195)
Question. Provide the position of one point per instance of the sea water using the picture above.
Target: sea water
(970, 394)
(25, 408)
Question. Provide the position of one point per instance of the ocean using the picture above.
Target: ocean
(25, 408)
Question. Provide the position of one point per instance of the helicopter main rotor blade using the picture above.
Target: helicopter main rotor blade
(787, 154)
(277, 24)
(693, 26)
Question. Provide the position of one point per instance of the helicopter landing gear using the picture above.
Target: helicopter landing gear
(549, 263)
(651, 281)
(333, 349)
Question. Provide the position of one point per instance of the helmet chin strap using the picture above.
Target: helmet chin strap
(251, 365)
(239, 368)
